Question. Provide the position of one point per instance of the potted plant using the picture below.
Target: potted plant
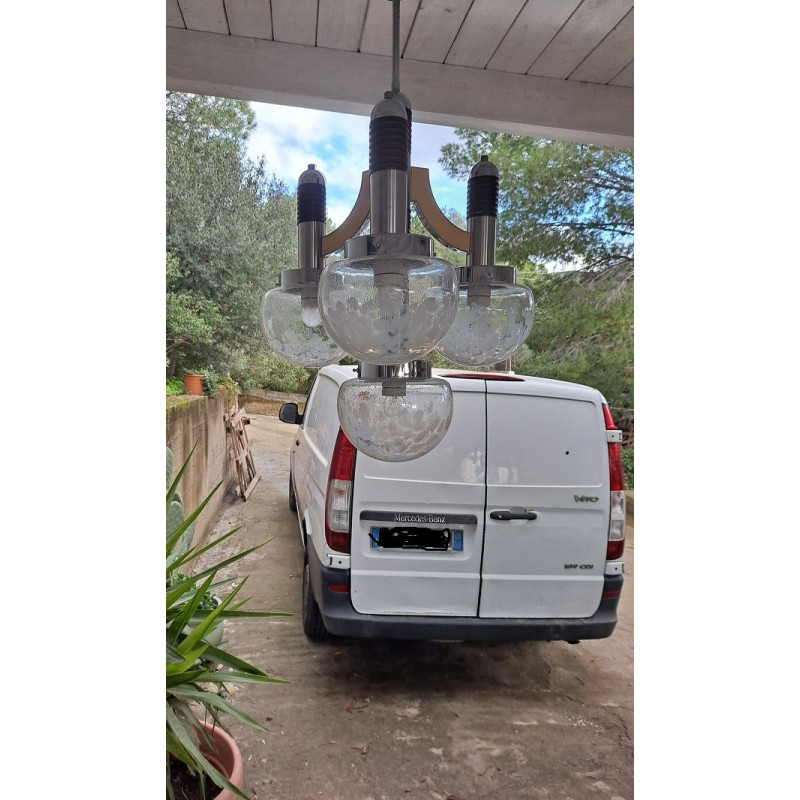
(201, 381)
(201, 754)
(193, 381)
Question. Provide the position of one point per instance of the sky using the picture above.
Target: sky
(337, 144)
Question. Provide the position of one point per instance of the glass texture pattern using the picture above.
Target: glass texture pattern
(488, 329)
(395, 428)
(284, 315)
(388, 309)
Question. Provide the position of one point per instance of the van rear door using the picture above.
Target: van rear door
(546, 459)
(417, 526)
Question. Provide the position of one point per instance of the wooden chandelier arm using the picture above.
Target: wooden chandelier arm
(421, 194)
(432, 217)
(352, 225)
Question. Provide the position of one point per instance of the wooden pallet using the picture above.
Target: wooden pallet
(246, 472)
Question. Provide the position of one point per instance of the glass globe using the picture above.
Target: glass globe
(492, 322)
(293, 327)
(395, 427)
(388, 309)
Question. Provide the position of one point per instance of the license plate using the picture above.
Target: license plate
(410, 538)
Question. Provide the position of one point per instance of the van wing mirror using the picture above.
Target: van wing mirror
(289, 413)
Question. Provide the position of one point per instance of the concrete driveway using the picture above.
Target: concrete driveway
(364, 719)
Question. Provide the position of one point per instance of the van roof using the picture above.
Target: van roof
(460, 379)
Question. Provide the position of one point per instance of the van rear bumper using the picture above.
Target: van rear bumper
(341, 619)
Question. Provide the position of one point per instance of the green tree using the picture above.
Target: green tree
(190, 320)
(583, 332)
(456, 257)
(560, 203)
(230, 226)
(565, 221)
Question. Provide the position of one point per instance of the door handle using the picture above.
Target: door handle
(517, 512)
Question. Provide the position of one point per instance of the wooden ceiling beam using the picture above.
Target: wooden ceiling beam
(440, 94)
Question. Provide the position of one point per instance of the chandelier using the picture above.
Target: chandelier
(390, 302)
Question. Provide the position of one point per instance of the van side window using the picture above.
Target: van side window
(321, 422)
(307, 404)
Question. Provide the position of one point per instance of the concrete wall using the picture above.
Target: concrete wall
(199, 421)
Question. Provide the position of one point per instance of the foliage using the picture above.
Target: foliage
(175, 387)
(456, 257)
(230, 386)
(582, 332)
(191, 321)
(210, 382)
(565, 221)
(196, 671)
(627, 467)
(230, 229)
(261, 368)
(278, 375)
(559, 203)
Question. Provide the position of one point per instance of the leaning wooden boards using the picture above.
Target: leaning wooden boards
(235, 421)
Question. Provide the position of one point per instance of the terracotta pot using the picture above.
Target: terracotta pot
(227, 759)
(193, 383)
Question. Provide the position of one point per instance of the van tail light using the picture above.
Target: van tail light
(616, 523)
(340, 494)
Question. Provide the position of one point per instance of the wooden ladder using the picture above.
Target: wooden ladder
(235, 421)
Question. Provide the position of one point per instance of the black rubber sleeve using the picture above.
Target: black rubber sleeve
(389, 144)
(482, 196)
(311, 202)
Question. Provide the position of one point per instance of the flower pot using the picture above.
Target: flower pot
(193, 383)
(227, 759)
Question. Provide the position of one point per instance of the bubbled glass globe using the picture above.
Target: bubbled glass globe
(388, 309)
(489, 326)
(395, 427)
(293, 327)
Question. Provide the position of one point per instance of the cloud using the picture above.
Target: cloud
(426, 147)
(291, 138)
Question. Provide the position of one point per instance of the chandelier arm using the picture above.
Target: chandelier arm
(431, 215)
(311, 213)
(336, 239)
(482, 196)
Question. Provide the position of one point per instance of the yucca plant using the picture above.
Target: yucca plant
(197, 671)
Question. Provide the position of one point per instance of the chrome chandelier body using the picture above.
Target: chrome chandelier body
(391, 301)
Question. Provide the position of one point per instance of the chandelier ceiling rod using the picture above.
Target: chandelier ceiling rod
(395, 47)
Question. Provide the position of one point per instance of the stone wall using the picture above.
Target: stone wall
(199, 422)
(269, 403)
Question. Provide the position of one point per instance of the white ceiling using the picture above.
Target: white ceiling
(559, 69)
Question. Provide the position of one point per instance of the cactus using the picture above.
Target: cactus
(169, 467)
(175, 514)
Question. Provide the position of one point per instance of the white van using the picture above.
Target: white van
(511, 528)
